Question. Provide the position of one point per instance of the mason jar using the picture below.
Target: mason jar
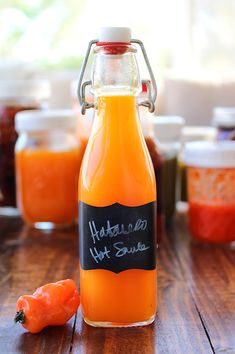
(189, 134)
(211, 190)
(48, 158)
(15, 96)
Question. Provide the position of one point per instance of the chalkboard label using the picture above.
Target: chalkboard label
(117, 237)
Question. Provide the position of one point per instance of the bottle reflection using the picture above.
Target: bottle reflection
(96, 340)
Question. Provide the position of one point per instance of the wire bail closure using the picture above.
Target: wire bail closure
(81, 90)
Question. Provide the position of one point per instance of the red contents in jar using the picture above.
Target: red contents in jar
(212, 223)
(157, 161)
(8, 138)
(114, 47)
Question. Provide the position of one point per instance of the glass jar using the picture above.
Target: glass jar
(224, 121)
(146, 120)
(15, 96)
(192, 133)
(211, 190)
(167, 129)
(48, 160)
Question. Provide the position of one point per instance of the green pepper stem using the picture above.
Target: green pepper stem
(19, 317)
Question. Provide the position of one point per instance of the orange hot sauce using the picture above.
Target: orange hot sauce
(212, 223)
(211, 195)
(47, 185)
(117, 169)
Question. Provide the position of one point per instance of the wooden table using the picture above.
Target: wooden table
(196, 296)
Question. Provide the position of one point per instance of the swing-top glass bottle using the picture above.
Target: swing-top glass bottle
(117, 192)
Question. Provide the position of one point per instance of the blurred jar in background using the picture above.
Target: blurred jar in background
(224, 121)
(146, 120)
(192, 133)
(48, 159)
(15, 96)
(84, 122)
(211, 190)
(167, 129)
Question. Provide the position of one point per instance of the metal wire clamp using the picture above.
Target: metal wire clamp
(81, 90)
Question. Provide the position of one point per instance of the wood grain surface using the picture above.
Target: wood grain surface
(196, 296)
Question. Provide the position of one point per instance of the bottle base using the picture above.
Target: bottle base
(119, 324)
(50, 225)
(9, 211)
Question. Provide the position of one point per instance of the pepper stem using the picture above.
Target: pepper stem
(19, 317)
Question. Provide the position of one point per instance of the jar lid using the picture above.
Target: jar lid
(114, 34)
(224, 117)
(39, 120)
(218, 154)
(24, 89)
(168, 128)
(195, 133)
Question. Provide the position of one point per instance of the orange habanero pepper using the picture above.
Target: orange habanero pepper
(51, 304)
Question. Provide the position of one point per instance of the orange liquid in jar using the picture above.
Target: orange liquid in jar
(212, 223)
(47, 185)
(211, 195)
(117, 168)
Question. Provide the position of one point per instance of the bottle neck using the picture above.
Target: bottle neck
(115, 72)
(115, 84)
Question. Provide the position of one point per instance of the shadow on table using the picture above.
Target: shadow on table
(50, 340)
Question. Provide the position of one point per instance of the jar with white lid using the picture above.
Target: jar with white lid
(198, 133)
(167, 130)
(211, 190)
(15, 96)
(224, 121)
(48, 159)
(191, 133)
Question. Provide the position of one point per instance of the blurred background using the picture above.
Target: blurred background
(190, 44)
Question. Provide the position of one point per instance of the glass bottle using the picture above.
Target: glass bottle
(117, 196)
(167, 129)
(147, 124)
